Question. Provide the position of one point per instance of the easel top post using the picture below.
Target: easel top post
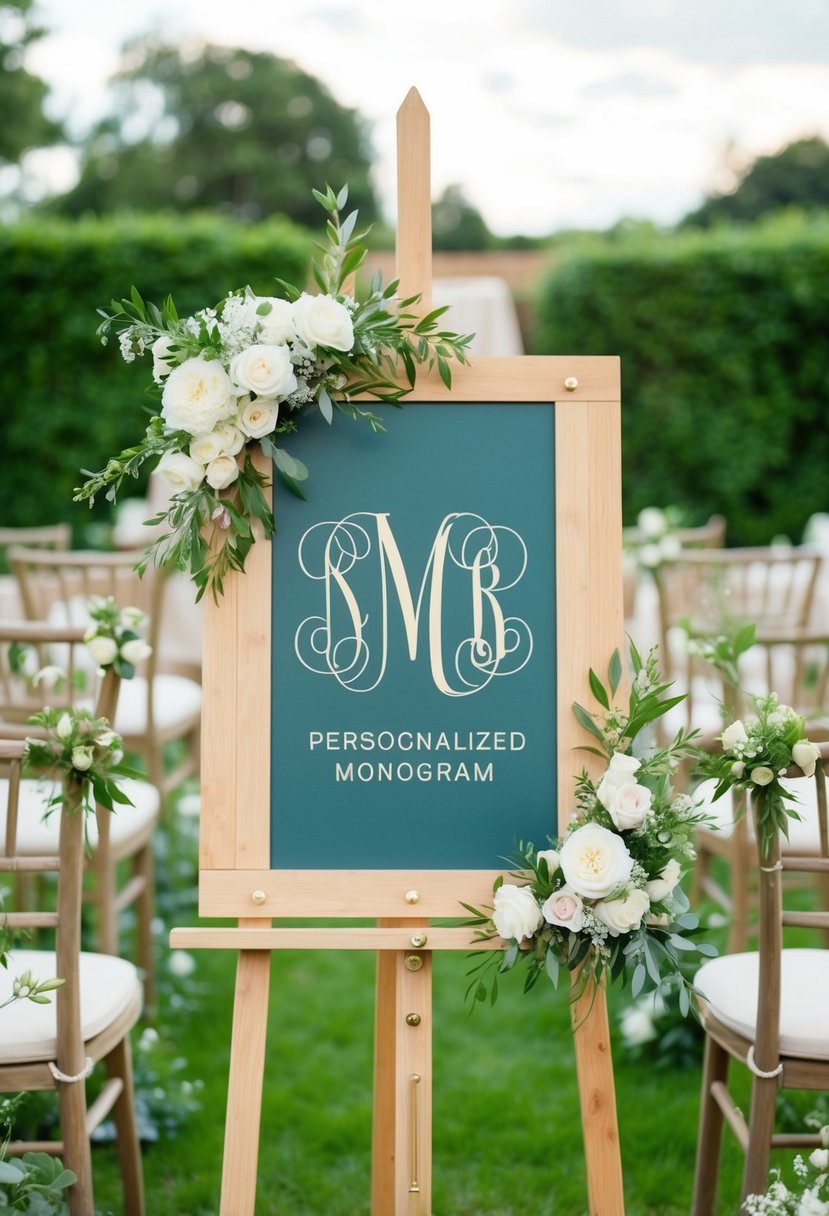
(414, 201)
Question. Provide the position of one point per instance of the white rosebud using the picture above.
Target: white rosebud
(180, 471)
(132, 618)
(231, 438)
(738, 768)
(652, 522)
(820, 1158)
(222, 472)
(277, 326)
(806, 755)
(733, 734)
(103, 650)
(264, 370)
(107, 738)
(205, 448)
(64, 727)
(623, 915)
(762, 775)
(48, 676)
(660, 888)
(82, 758)
(323, 321)
(136, 650)
(257, 418)
(162, 366)
(551, 858)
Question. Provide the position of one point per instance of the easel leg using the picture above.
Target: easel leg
(385, 1050)
(244, 1094)
(597, 1091)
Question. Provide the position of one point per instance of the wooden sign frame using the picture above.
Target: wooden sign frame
(235, 878)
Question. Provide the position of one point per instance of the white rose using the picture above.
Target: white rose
(733, 734)
(131, 618)
(107, 738)
(277, 326)
(222, 472)
(806, 756)
(231, 437)
(64, 726)
(620, 771)
(82, 758)
(820, 1158)
(627, 805)
(205, 448)
(516, 913)
(135, 651)
(102, 650)
(197, 395)
(738, 768)
(594, 861)
(564, 908)
(551, 858)
(180, 471)
(257, 418)
(623, 915)
(161, 362)
(762, 775)
(264, 370)
(323, 321)
(651, 522)
(660, 888)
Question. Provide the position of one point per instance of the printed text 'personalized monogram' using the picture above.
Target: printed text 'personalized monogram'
(471, 565)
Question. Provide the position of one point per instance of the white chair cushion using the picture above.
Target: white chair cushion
(175, 699)
(803, 837)
(729, 985)
(108, 985)
(37, 836)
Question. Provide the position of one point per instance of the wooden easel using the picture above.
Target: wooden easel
(234, 844)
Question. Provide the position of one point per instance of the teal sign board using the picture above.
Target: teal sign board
(414, 651)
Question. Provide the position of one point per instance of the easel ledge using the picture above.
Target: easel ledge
(339, 938)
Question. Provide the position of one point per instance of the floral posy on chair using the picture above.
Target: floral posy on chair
(243, 373)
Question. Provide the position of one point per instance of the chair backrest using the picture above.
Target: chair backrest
(47, 536)
(29, 646)
(795, 665)
(774, 916)
(717, 590)
(56, 587)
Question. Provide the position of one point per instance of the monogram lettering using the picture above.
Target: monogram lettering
(358, 563)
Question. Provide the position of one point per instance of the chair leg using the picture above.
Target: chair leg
(761, 1130)
(77, 1154)
(715, 1068)
(145, 908)
(119, 1064)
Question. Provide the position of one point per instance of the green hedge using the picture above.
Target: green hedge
(69, 403)
(724, 342)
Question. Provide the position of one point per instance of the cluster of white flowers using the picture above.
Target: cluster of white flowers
(745, 745)
(810, 1199)
(272, 352)
(656, 542)
(112, 635)
(600, 883)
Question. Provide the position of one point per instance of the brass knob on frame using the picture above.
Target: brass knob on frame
(571, 384)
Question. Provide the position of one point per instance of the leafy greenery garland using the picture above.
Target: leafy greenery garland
(211, 529)
(650, 953)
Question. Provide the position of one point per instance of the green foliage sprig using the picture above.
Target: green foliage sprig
(244, 373)
(605, 899)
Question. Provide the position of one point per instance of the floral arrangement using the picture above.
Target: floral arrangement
(243, 373)
(112, 638)
(605, 897)
(809, 1198)
(756, 755)
(654, 541)
(82, 748)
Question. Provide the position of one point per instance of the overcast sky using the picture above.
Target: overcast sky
(549, 113)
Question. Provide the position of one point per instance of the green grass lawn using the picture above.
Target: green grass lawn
(506, 1128)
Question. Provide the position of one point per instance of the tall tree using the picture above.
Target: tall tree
(24, 125)
(197, 127)
(796, 176)
(457, 224)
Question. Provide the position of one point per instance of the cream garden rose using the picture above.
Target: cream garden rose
(623, 915)
(323, 321)
(136, 650)
(595, 861)
(265, 370)
(762, 775)
(516, 913)
(198, 394)
(102, 650)
(221, 472)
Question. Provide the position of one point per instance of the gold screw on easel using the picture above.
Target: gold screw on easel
(414, 1186)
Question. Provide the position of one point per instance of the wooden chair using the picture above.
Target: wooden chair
(46, 536)
(716, 590)
(120, 845)
(769, 1009)
(55, 1046)
(156, 708)
(795, 665)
